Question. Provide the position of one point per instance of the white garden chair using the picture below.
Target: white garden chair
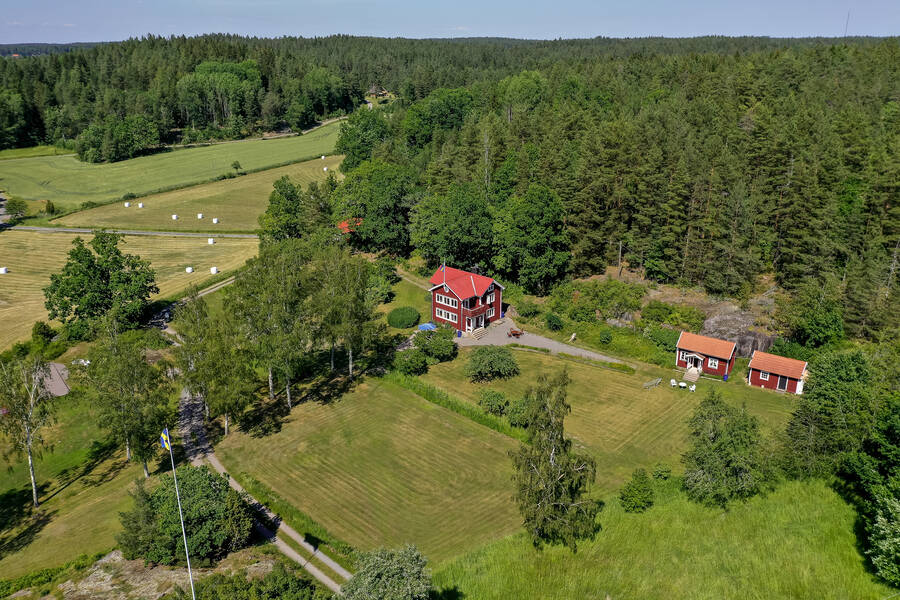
(673, 382)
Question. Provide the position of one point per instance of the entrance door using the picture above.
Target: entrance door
(479, 321)
(782, 383)
(694, 361)
(468, 323)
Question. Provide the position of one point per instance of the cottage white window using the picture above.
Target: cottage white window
(490, 312)
(490, 299)
(713, 362)
(763, 376)
(446, 300)
(682, 355)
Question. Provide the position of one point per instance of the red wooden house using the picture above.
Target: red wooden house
(711, 356)
(464, 300)
(776, 372)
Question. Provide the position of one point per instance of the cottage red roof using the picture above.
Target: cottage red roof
(462, 283)
(779, 365)
(705, 345)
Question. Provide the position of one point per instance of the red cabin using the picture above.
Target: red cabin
(776, 372)
(711, 356)
(464, 300)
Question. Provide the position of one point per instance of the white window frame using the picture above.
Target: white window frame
(682, 355)
(446, 300)
(712, 363)
(446, 315)
(490, 299)
(763, 375)
(490, 312)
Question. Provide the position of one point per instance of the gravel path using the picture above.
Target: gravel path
(133, 232)
(496, 336)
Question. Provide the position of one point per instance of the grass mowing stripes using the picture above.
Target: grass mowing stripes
(441, 398)
(68, 182)
(32, 257)
(795, 543)
(380, 466)
(237, 203)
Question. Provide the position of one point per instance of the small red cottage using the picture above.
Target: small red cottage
(464, 300)
(776, 372)
(711, 356)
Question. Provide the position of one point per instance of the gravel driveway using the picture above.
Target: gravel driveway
(496, 336)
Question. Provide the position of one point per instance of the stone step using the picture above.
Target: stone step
(479, 333)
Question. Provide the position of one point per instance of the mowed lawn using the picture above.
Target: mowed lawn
(237, 203)
(83, 484)
(68, 182)
(621, 424)
(32, 257)
(795, 543)
(382, 467)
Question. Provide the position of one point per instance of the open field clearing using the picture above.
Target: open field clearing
(68, 182)
(83, 483)
(381, 466)
(32, 257)
(623, 425)
(29, 152)
(796, 542)
(237, 203)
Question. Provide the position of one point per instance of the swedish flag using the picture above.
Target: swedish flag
(164, 439)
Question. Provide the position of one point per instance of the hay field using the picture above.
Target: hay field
(68, 182)
(32, 257)
(236, 202)
(381, 466)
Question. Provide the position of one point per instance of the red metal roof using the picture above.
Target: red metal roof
(779, 365)
(345, 226)
(705, 345)
(462, 283)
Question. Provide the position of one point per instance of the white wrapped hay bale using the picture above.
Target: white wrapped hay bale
(324, 168)
(215, 220)
(127, 204)
(210, 241)
(199, 215)
(213, 270)
(189, 270)
(323, 157)
(4, 270)
(140, 205)
(174, 217)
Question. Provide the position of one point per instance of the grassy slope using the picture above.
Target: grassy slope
(623, 425)
(797, 542)
(83, 490)
(32, 257)
(407, 294)
(381, 466)
(68, 182)
(33, 151)
(236, 202)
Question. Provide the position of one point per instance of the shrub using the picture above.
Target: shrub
(528, 309)
(16, 208)
(662, 471)
(517, 412)
(554, 323)
(278, 583)
(493, 402)
(219, 519)
(583, 312)
(665, 338)
(411, 362)
(491, 362)
(885, 541)
(41, 334)
(637, 495)
(390, 575)
(437, 344)
(49, 207)
(604, 336)
(403, 317)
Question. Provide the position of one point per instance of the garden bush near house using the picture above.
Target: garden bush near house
(216, 515)
(517, 412)
(493, 402)
(665, 338)
(491, 362)
(411, 362)
(403, 317)
(554, 323)
(528, 309)
(637, 495)
(662, 471)
(437, 344)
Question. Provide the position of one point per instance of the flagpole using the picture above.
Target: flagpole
(180, 515)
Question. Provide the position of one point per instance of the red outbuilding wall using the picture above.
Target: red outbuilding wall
(772, 384)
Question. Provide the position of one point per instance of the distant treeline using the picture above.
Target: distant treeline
(37, 49)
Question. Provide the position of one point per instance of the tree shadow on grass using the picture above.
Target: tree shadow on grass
(453, 593)
(849, 494)
(21, 521)
(99, 452)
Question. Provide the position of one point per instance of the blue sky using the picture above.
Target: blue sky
(95, 20)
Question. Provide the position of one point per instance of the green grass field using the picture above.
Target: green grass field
(32, 151)
(623, 425)
(68, 182)
(32, 257)
(795, 543)
(236, 202)
(381, 466)
(83, 488)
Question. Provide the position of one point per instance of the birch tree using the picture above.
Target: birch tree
(26, 407)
